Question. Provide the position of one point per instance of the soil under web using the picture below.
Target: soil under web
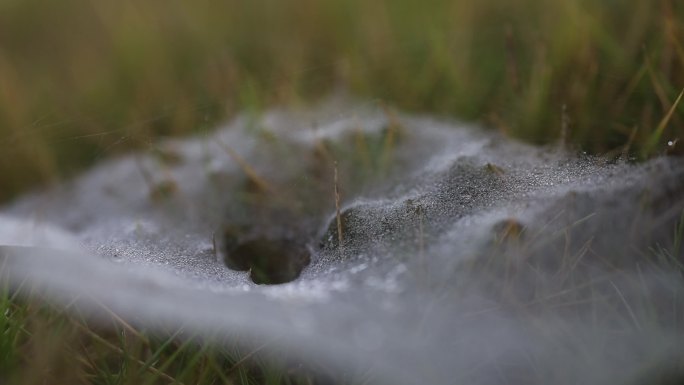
(466, 257)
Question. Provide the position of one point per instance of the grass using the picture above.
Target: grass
(81, 80)
(42, 343)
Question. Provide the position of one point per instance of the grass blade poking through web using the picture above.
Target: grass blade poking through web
(337, 210)
(251, 174)
(655, 138)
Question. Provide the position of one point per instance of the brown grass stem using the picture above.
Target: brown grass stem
(337, 208)
(249, 171)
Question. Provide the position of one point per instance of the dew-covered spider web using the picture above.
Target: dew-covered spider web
(458, 255)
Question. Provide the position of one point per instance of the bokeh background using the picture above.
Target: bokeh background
(80, 79)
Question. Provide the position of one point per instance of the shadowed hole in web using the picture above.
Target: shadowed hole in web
(269, 262)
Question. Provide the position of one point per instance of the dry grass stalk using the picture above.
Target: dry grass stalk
(393, 127)
(337, 209)
(246, 168)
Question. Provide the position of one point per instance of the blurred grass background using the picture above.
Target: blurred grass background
(80, 78)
